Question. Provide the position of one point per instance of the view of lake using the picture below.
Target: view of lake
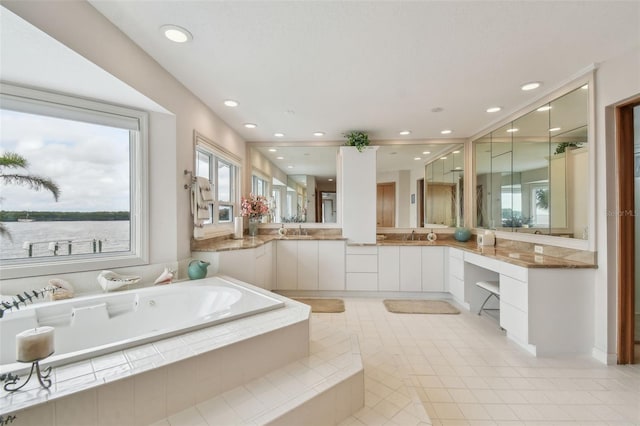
(113, 234)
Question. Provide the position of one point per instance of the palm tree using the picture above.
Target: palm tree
(10, 161)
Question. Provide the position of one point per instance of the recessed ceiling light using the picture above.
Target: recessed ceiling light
(250, 125)
(289, 167)
(544, 108)
(278, 135)
(318, 133)
(330, 180)
(530, 86)
(494, 109)
(405, 132)
(272, 150)
(586, 86)
(176, 34)
(446, 131)
(417, 158)
(279, 158)
(512, 130)
(554, 129)
(426, 152)
(456, 152)
(443, 158)
(231, 103)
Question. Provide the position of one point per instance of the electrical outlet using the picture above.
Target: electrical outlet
(538, 249)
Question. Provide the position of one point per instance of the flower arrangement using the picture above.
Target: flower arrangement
(254, 206)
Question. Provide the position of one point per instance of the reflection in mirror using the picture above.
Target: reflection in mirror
(444, 183)
(300, 180)
(401, 185)
(530, 173)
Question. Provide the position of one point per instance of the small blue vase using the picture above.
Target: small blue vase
(462, 234)
(197, 269)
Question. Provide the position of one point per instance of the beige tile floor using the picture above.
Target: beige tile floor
(466, 372)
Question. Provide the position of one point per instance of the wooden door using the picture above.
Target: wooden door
(626, 232)
(386, 205)
(420, 202)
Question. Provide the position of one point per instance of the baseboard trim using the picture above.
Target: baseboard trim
(604, 357)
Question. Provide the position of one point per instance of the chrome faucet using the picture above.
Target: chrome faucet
(413, 233)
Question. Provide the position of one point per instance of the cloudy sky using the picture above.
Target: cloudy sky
(90, 163)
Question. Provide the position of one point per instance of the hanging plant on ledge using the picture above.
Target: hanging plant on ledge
(358, 139)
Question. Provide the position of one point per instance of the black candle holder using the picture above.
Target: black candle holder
(42, 375)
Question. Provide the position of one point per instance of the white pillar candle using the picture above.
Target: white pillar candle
(34, 344)
(237, 227)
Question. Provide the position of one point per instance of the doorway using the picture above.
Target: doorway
(628, 158)
(386, 205)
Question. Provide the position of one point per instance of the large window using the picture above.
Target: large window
(96, 154)
(222, 170)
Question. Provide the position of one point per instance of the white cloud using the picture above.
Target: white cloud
(90, 163)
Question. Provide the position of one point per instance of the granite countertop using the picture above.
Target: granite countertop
(525, 259)
(253, 242)
(509, 255)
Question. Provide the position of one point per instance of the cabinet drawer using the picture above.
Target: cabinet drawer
(514, 292)
(513, 271)
(362, 263)
(456, 267)
(458, 254)
(515, 322)
(362, 249)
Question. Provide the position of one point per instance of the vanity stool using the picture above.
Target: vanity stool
(493, 287)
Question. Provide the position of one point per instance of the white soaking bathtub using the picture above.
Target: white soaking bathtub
(90, 326)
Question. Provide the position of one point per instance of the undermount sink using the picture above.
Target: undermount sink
(298, 237)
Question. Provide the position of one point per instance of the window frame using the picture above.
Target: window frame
(68, 106)
(216, 153)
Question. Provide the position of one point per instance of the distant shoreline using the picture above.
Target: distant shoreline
(20, 216)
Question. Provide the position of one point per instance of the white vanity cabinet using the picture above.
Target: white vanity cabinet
(455, 275)
(307, 265)
(362, 268)
(410, 269)
(389, 268)
(250, 265)
(432, 261)
(331, 265)
(310, 265)
(548, 311)
(286, 265)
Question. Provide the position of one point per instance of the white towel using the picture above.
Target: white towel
(204, 186)
(199, 206)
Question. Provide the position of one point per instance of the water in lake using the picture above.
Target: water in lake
(112, 236)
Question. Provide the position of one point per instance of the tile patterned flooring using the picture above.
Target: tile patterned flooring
(462, 370)
(466, 372)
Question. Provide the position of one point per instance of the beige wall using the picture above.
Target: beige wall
(616, 80)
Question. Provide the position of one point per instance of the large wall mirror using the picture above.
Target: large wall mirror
(419, 185)
(298, 181)
(532, 173)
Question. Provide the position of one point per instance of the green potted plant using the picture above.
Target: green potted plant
(358, 139)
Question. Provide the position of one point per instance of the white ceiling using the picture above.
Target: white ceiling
(306, 66)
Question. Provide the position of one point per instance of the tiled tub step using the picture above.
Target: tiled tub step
(322, 389)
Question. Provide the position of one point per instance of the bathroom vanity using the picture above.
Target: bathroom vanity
(545, 304)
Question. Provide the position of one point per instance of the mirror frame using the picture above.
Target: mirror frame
(589, 244)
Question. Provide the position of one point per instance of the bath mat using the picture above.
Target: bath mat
(407, 306)
(322, 306)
